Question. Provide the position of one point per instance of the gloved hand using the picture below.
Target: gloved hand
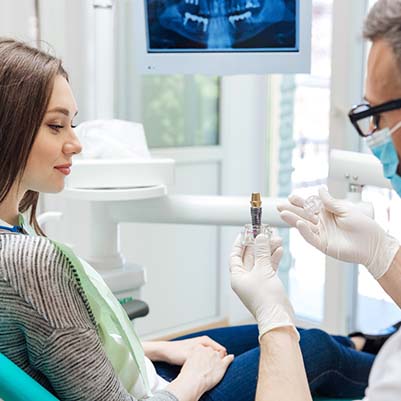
(259, 287)
(343, 232)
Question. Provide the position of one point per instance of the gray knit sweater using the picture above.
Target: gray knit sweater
(46, 327)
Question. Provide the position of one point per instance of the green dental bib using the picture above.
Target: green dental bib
(120, 342)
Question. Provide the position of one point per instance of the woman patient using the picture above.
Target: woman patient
(57, 320)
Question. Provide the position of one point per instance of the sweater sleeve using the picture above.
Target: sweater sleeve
(78, 369)
(61, 338)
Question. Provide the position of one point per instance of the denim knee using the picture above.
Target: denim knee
(319, 349)
(332, 368)
(318, 335)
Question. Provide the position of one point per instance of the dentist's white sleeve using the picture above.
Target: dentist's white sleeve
(385, 377)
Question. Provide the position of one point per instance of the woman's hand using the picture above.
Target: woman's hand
(177, 352)
(207, 365)
(202, 370)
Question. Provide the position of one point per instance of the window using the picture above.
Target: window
(180, 110)
(310, 106)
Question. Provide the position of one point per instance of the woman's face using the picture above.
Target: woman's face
(50, 158)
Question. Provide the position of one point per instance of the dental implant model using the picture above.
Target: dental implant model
(251, 231)
(256, 213)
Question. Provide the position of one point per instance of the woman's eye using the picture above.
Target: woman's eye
(56, 127)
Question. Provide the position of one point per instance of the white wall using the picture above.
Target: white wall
(15, 19)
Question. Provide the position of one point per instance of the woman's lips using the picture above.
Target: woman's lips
(64, 170)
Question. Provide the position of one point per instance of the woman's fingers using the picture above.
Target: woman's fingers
(208, 342)
(227, 360)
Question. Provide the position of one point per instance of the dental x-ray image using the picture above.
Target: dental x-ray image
(222, 25)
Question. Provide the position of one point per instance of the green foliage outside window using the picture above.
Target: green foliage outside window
(181, 110)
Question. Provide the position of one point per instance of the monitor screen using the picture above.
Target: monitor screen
(222, 37)
(222, 26)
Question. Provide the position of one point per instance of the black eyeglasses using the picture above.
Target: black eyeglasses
(366, 118)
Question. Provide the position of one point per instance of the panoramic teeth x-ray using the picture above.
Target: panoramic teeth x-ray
(217, 25)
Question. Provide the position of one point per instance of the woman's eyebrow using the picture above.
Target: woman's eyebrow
(61, 110)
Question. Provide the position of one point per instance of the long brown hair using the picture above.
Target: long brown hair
(26, 82)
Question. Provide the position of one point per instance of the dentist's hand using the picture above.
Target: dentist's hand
(259, 287)
(343, 232)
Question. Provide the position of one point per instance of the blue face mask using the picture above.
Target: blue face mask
(381, 145)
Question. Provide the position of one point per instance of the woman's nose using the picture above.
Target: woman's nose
(77, 147)
(73, 146)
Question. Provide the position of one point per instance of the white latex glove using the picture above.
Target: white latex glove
(343, 232)
(259, 287)
(276, 250)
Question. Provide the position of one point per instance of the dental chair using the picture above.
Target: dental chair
(16, 385)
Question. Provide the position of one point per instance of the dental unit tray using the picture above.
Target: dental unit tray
(120, 173)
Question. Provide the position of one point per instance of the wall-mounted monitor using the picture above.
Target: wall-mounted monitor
(222, 37)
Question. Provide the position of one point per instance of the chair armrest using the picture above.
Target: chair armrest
(136, 308)
(16, 385)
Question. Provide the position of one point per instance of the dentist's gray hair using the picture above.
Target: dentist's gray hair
(384, 22)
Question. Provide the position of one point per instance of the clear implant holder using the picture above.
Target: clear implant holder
(313, 205)
(248, 233)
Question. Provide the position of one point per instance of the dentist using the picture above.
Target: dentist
(340, 231)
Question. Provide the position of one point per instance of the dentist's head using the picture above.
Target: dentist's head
(383, 82)
(36, 136)
(379, 119)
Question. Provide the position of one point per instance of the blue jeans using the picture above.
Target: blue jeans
(333, 367)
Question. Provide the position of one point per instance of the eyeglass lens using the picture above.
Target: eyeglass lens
(367, 125)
